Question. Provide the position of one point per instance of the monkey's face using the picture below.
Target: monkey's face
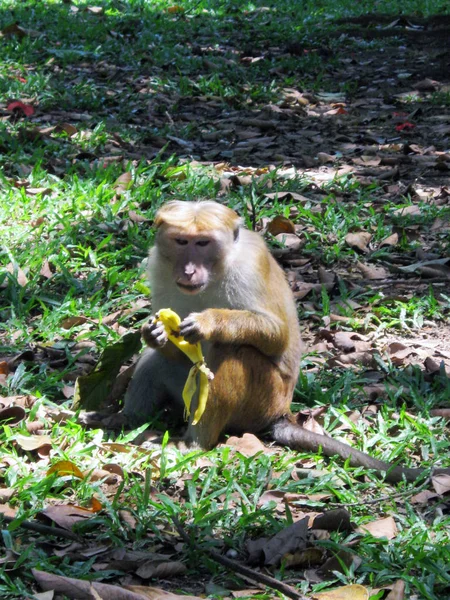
(194, 258)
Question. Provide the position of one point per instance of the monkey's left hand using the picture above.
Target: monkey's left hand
(193, 328)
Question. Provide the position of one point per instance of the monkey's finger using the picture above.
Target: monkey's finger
(192, 336)
(190, 330)
(154, 334)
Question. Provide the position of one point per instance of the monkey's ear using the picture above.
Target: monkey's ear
(236, 233)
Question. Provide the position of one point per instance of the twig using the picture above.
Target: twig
(271, 582)
(45, 529)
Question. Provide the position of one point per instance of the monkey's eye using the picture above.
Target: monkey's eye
(181, 241)
(202, 243)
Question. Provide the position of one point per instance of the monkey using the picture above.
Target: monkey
(232, 296)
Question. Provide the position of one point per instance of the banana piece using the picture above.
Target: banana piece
(171, 322)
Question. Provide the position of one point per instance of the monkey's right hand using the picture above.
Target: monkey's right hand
(154, 334)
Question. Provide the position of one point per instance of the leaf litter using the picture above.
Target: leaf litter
(363, 136)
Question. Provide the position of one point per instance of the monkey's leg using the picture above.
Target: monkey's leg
(247, 394)
(157, 383)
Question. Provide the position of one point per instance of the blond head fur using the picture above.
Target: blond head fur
(195, 217)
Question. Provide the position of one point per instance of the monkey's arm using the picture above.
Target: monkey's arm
(295, 437)
(264, 331)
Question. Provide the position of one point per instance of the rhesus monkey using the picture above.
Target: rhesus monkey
(233, 297)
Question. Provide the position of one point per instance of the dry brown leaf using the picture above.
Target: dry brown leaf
(303, 289)
(161, 569)
(248, 444)
(372, 272)
(137, 218)
(397, 591)
(426, 85)
(391, 240)
(66, 516)
(382, 528)
(287, 541)
(289, 240)
(12, 415)
(6, 494)
(288, 196)
(423, 497)
(101, 474)
(440, 412)
(33, 442)
(280, 224)
(82, 589)
(46, 270)
(126, 517)
(18, 273)
(70, 322)
(66, 467)
(441, 483)
(326, 277)
(346, 592)
(68, 391)
(123, 183)
(412, 210)
(154, 593)
(312, 425)
(359, 240)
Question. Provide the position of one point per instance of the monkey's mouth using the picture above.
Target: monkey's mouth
(191, 288)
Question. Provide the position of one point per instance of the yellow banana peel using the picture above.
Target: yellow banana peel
(171, 322)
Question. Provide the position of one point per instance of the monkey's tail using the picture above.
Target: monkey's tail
(290, 434)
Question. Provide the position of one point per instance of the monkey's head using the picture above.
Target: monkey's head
(196, 238)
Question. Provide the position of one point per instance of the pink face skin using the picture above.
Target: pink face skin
(194, 257)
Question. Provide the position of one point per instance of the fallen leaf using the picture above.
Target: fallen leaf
(33, 442)
(123, 183)
(65, 467)
(359, 240)
(248, 444)
(288, 540)
(289, 240)
(441, 483)
(12, 415)
(70, 322)
(154, 593)
(391, 240)
(45, 270)
(371, 272)
(398, 591)
(161, 569)
(426, 85)
(346, 592)
(66, 516)
(21, 278)
(382, 528)
(93, 389)
(280, 224)
(82, 589)
(423, 497)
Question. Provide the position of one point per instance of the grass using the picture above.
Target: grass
(76, 207)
